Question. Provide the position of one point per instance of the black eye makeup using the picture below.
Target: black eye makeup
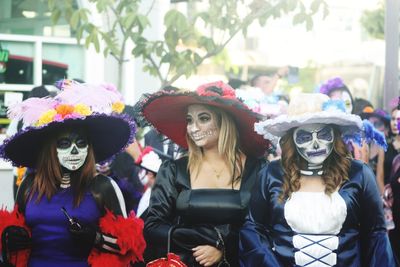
(325, 134)
(189, 119)
(64, 143)
(204, 118)
(303, 137)
(81, 143)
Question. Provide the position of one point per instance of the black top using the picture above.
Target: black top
(390, 154)
(195, 214)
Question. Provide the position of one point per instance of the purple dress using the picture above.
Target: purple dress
(52, 244)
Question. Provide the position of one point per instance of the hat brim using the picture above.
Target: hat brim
(279, 126)
(167, 113)
(107, 134)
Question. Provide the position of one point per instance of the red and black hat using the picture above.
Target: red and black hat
(166, 111)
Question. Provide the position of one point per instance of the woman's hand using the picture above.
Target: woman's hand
(207, 255)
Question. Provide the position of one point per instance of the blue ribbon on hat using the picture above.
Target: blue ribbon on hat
(334, 105)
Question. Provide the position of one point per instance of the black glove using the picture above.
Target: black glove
(16, 238)
(85, 235)
(6, 264)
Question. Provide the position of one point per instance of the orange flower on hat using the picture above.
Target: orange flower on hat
(368, 110)
(64, 110)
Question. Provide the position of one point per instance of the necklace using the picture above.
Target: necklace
(65, 181)
(217, 173)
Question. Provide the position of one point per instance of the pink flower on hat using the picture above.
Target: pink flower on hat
(208, 89)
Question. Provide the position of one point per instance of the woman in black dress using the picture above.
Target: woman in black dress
(200, 200)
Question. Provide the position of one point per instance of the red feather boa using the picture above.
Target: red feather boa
(129, 234)
(18, 258)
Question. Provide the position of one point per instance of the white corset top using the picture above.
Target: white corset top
(316, 219)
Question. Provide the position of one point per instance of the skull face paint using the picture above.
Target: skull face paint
(72, 150)
(202, 126)
(314, 142)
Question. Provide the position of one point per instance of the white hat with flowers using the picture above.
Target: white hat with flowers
(312, 108)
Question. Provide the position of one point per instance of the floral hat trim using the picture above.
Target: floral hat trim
(353, 129)
(28, 129)
(75, 101)
(332, 84)
(218, 92)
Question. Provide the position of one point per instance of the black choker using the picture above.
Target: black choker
(312, 171)
(318, 172)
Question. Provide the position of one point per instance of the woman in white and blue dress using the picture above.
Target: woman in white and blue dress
(316, 206)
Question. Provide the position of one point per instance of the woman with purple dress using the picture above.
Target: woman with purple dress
(66, 214)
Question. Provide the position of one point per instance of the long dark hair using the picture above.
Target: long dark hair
(336, 166)
(49, 173)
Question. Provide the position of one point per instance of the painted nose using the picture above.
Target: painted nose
(74, 150)
(194, 127)
(315, 145)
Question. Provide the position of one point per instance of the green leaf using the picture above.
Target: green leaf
(171, 38)
(88, 41)
(51, 4)
(96, 43)
(315, 6)
(74, 20)
(174, 18)
(79, 33)
(166, 58)
(309, 23)
(138, 50)
(291, 5)
(169, 18)
(143, 21)
(83, 13)
(299, 18)
(197, 59)
(55, 16)
(129, 19)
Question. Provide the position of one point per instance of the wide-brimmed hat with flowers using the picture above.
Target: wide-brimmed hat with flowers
(313, 108)
(95, 108)
(166, 111)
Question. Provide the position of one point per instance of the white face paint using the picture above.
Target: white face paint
(72, 150)
(202, 126)
(345, 97)
(314, 142)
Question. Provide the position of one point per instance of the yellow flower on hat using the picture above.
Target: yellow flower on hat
(118, 107)
(82, 109)
(46, 117)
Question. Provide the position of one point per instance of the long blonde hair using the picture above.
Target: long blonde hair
(228, 146)
(335, 167)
